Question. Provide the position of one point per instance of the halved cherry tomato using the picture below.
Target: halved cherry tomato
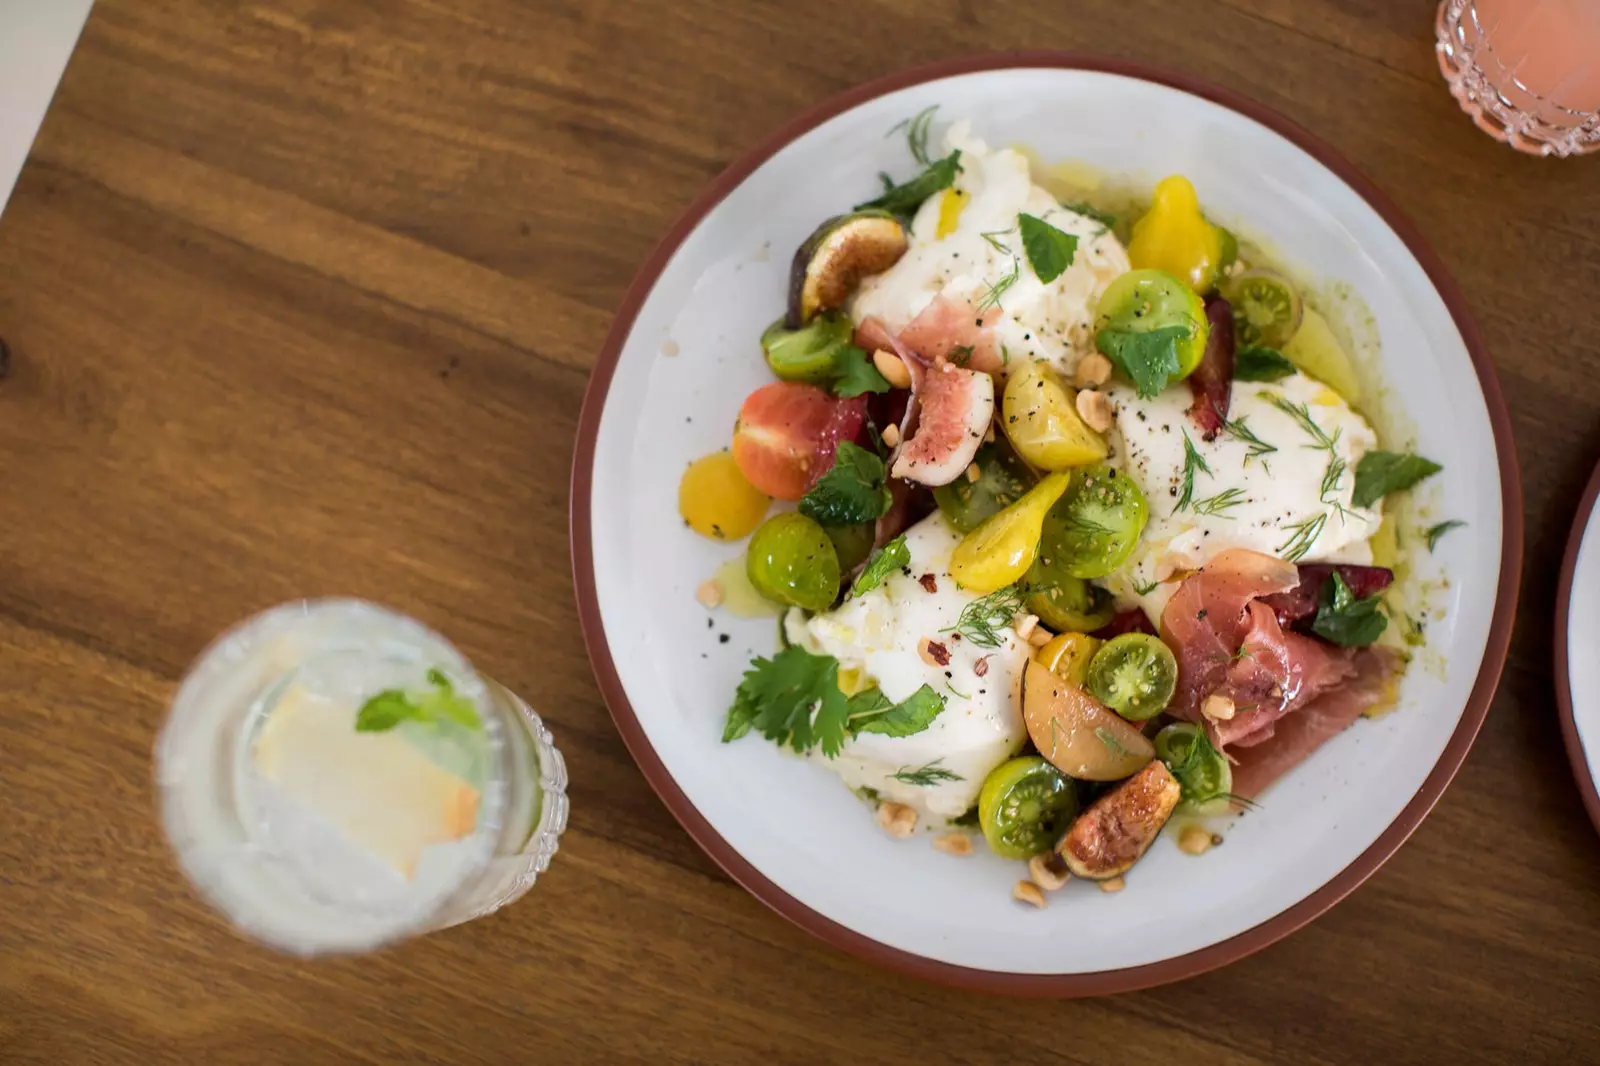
(786, 434)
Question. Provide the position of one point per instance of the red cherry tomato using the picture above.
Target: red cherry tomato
(786, 434)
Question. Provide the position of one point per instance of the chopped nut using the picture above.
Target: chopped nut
(709, 593)
(973, 473)
(1194, 840)
(929, 582)
(1026, 625)
(1040, 636)
(953, 843)
(1049, 871)
(1028, 892)
(1095, 410)
(669, 347)
(1093, 370)
(892, 367)
(988, 434)
(1217, 707)
(1116, 884)
(891, 435)
(896, 819)
(933, 653)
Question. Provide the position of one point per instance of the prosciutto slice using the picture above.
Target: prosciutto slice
(955, 330)
(1228, 643)
(1297, 735)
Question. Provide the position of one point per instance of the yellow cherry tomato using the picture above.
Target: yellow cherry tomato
(1040, 417)
(716, 499)
(1174, 236)
(1067, 656)
(1001, 549)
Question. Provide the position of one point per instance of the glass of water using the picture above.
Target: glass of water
(334, 777)
(1527, 71)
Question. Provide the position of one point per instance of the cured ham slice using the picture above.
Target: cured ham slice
(1229, 643)
(1297, 735)
(955, 330)
(1206, 620)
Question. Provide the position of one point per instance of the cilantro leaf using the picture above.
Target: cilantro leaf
(1435, 532)
(792, 699)
(385, 711)
(1149, 359)
(885, 561)
(1050, 251)
(1256, 362)
(1344, 620)
(905, 199)
(872, 712)
(1380, 473)
(855, 374)
(852, 491)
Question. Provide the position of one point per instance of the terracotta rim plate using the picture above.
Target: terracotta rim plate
(1580, 587)
(712, 281)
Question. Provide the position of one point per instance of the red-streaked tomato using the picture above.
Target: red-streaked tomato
(786, 434)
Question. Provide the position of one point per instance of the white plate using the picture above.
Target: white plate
(1577, 637)
(681, 356)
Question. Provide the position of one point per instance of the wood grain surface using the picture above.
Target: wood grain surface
(302, 296)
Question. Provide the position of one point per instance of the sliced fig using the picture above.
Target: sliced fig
(1300, 602)
(954, 408)
(1212, 380)
(1070, 728)
(835, 258)
(1119, 827)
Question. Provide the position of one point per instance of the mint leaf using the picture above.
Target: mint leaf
(905, 199)
(1256, 362)
(1435, 532)
(1106, 219)
(872, 712)
(1344, 620)
(385, 711)
(852, 491)
(855, 374)
(1149, 359)
(1380, 473)
(885, 561)
(1050, 251)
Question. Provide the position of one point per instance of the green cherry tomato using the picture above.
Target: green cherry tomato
(852, 544)
(1095, 525)
(1202, 771)
(1141, 301)
(1066, 604)
(1025, 806)
(1266, 308)
(1003, 479)
(1134, 675)
(791, 560)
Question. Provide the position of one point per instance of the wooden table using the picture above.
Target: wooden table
(302, 296)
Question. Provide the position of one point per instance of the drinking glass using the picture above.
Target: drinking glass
(335, 776)
(1527, 71)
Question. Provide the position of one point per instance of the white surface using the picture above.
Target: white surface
(36, 38)
(1583, 638)
(792, 820)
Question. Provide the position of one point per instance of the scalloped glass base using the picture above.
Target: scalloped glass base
(1541, 42)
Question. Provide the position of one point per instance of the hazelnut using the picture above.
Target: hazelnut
(892, 367)
(709, 593)
(1093, 370)
(1095, 410)
(896, 819)
(1028, 892)
(953, 843)
(1049, 871)
(1217, 707)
